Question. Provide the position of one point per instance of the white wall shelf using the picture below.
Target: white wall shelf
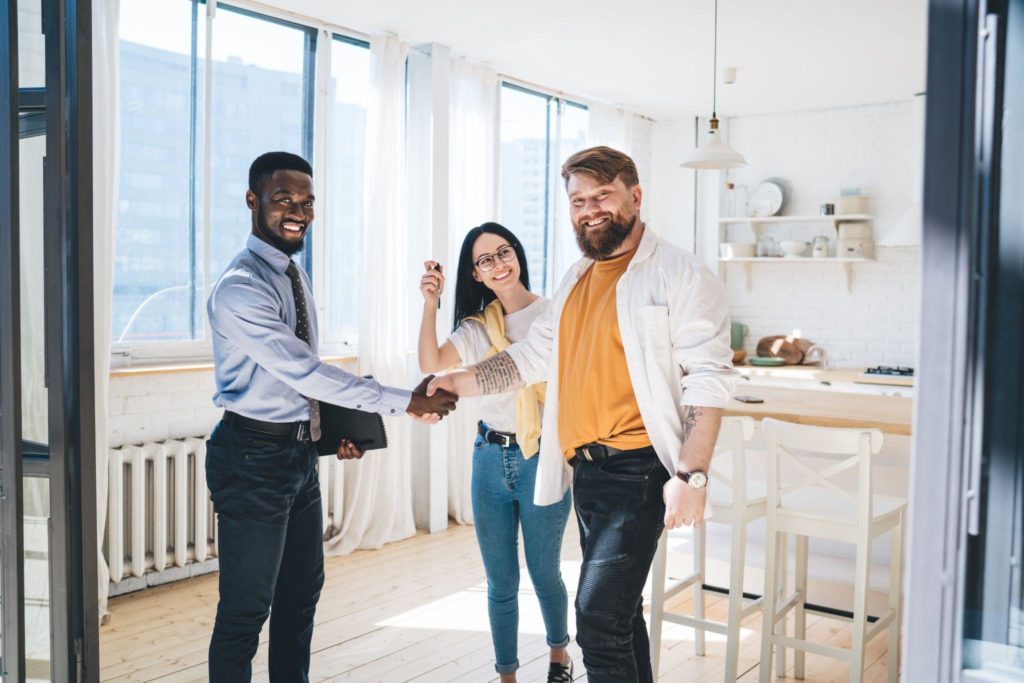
(843, 261)
(755, 222)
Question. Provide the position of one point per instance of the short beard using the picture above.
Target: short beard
(275, 240)
(599, 246)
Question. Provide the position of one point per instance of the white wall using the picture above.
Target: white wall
(669, 190)
(817, 153)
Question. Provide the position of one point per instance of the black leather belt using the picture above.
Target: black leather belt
(295, 430)
(492, 436)
(596, 452)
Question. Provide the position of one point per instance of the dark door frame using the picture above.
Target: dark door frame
(12, 582)
(963, 419)
(68, 248)
(66, 104)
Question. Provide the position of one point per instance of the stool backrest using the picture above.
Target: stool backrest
(809, 452)
(732, 439)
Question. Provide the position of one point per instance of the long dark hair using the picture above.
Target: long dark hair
(472, 296)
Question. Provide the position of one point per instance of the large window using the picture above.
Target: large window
(171, 246)
(538, 132)
(349, 93)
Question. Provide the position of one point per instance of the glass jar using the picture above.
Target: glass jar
(819, 247)
(766, 246)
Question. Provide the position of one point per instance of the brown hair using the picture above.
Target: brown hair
(604, 164)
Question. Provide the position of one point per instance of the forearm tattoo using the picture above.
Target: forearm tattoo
(497, 374)
(691, 414)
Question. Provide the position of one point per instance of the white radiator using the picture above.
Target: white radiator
(159, 529)
(159, 516)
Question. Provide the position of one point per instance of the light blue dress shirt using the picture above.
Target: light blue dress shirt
(262, 369)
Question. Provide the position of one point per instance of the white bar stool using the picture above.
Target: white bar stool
(733, 502)
(795, 507)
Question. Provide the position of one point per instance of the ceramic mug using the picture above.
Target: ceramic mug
(736, 335)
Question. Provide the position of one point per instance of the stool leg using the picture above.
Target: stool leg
(800, 615)
(699, 558)
(737, 566)
(771, 547)
(895, 570)
(860, 603)
(658, 571)
(781, 585)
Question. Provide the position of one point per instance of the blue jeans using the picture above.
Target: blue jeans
(621, 514)
(503, 483)
(267, 497)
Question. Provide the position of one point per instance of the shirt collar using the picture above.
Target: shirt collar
(648, 242)
(277, 259)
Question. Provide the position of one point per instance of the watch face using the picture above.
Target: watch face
(698, 480)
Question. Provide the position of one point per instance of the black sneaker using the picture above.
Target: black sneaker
(560, 673)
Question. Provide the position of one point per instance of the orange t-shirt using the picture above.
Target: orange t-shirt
(596, 402)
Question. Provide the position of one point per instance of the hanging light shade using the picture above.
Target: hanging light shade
(714, 154)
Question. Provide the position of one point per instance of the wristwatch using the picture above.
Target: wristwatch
(696, 479)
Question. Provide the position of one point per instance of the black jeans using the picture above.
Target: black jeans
(621, 515)
(267, 497)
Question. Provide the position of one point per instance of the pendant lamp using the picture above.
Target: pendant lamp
(714, 154)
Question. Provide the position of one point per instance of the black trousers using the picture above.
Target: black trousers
(266, 494)
(621, 513)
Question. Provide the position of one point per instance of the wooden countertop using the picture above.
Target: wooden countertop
(891, 414)
(813, 372)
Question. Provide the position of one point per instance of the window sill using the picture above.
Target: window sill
(174, 368)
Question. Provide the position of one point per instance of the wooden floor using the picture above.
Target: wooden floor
(416, 611)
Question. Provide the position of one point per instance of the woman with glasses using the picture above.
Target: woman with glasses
(494, 307)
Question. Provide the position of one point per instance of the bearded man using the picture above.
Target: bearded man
(635, 350)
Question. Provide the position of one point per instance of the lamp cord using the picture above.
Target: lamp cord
(714, 70)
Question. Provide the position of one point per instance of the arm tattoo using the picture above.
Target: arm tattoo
(690, 416)
(497, 374)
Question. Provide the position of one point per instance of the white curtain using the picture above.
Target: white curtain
(472, 201)
(378, 489)
(105, 188)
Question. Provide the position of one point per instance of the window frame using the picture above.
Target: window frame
(557, 102)
(319, 36)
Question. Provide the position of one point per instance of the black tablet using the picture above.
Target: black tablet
(364, 429)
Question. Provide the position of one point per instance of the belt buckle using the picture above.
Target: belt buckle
(506, 440)
(302, 433)
(586, 454)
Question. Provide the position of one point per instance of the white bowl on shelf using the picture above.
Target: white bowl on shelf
(793, 248)
(729, 250)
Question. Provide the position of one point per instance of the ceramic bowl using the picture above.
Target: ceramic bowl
(793, 248)
(736, 250)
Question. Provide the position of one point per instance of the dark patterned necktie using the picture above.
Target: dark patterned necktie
(302, 332)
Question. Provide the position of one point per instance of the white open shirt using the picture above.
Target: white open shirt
(674, 321)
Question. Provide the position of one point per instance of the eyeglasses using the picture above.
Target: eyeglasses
(486, 262)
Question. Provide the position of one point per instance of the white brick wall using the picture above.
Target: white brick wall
(161, 406)
(875, 324)
(817, 153)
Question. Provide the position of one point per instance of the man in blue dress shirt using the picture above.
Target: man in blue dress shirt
(261, 464)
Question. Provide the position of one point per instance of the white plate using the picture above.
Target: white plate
(766, 199)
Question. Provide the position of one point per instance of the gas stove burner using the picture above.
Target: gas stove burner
(886, 370)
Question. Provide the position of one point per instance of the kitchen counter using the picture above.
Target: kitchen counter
(814, 373)
(890, 414)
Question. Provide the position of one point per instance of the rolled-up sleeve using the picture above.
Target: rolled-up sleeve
(699, 319)
(246, 313)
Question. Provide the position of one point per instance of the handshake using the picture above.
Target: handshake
(430, 402)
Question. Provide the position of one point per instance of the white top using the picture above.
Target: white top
(498, 411)
(674, 321)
